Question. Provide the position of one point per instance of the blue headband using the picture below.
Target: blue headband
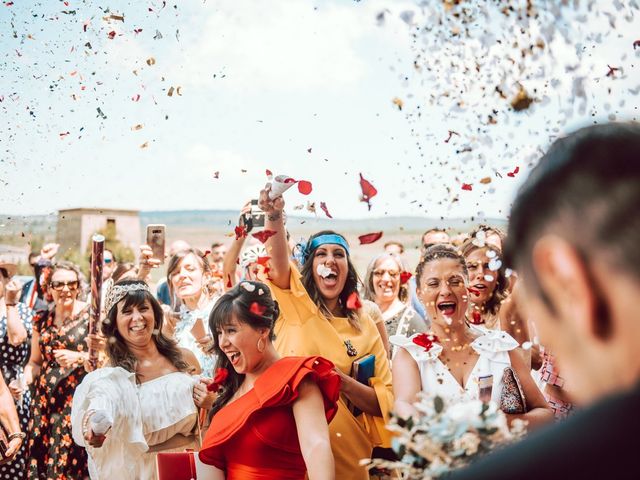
(305, 250)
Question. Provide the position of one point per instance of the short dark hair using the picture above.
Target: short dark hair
(585, 189)
(216, 245)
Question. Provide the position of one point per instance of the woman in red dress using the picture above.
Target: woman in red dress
(271, 417)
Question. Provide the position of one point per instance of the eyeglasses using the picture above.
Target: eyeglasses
(392, 273)
(59, 286)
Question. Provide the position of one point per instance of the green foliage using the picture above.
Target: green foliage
(111, 242)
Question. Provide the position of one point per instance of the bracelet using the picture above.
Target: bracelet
(20, 435)
(10, 304)
(274, 216)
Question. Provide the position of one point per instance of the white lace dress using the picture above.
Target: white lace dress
(493, 349)
(143, 416)
(185, 338)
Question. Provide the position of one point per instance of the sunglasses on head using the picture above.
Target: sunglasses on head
(57, 285)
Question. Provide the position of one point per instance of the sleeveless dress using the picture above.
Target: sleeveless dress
(13, 358)
(493, 349)
(255, 436)
(52, 453)
(144, 416)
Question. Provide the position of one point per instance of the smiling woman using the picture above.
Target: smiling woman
(144, 401)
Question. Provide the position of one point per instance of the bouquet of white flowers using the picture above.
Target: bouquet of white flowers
(442, 437)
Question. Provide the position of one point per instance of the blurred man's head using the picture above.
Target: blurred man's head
(394, 248)
(574, 236)
(178, 246)
(434, 236)
(218, 251)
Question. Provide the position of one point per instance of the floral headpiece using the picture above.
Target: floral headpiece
(118, 292)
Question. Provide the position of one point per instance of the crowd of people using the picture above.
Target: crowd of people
(291, 367)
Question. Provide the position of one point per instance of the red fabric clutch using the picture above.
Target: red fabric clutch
(176, 466)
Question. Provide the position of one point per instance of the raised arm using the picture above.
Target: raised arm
(406, 383)
(277, 247)
(230, 261)
(313, 432)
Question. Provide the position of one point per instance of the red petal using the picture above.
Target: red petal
(425, 340)
(241, 232)
(264, 235)
(269, 173)
(368, 191)
(474, 291)
(304, 187)
(467, 186)
(229, 284)
(476, 318)
(218, 380)
(206, 253)
(369, 238)
(263, 261)
(324, 208)
(257, 309)
(404, 277)
(353, 302)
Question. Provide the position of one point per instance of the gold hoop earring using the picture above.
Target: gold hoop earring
(260, 348)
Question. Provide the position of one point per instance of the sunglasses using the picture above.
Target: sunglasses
(107, 260)
(59, 286)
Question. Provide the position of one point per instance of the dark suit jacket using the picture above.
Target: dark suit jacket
(601, 441)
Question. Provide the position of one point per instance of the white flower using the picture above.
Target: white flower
(468, 442)
(323, 270)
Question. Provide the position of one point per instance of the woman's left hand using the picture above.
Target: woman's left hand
(68, 358)
(13, 447)
(202, 397)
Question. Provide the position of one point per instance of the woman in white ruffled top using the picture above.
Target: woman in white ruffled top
(145, 401)
(455, 359)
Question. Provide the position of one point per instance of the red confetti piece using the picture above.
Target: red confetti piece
(137, 30)
(426, 340)
(467, 186)
(474, 291)
(353, 302)
(135, 98)
(8, 4)
(368, 191)
(369, 238)
(476, 318)
(229, 284)
(219, 379)
(612, 71)
(269, 173)
(513, 174)
(264, 235)
(404, 277)
(206, 253)
(64, 134)
(263, 261)
(324, 208)
(304, 187)
(257, 309)
(240, 231)
(636, 44)
(111, 34)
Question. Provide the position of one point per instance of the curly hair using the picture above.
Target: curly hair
(440, 251)
(118, 351)
(237, 303)
(500, 292)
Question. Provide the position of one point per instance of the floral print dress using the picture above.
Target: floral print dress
(12, 362)
(52, 452)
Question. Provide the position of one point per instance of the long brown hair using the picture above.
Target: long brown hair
(237, 303)
(368, 292)
(350, 286)
(500, 292)
(174, 265)
(118, 351)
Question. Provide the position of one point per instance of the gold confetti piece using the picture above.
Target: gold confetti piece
(485, 180)
(398, 103)
(113, 16)
(137, 127)
(170, 92)
(151, 61)
(144, 145)
(178, 91)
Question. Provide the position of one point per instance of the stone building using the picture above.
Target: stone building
(77, 225)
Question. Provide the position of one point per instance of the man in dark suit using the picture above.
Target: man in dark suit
(574, 237)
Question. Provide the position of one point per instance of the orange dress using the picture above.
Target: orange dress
(255, 436)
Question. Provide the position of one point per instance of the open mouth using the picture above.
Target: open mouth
(447, 308)
(233, 357)
(137, 328)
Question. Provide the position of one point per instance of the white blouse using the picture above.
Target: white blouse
(493, 349)
(142, 416)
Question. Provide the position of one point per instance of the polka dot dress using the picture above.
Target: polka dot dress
(12, 362)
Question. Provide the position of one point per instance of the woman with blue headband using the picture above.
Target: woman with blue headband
(323, 315)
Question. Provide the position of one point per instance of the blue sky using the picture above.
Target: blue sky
(261, 83)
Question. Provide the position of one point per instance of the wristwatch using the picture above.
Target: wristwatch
(20, 435)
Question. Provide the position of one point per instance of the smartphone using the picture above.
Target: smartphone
(155, 239)
(257, 215)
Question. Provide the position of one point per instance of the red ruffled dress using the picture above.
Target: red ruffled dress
(255, 436)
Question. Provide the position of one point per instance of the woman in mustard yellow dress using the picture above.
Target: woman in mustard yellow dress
(322, 315)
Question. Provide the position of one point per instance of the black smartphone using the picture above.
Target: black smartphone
(156, 240)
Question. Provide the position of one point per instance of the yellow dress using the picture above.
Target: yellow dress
(302, 330)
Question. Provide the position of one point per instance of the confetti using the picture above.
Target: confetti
(219, 379)
(324, 208)
(368, 191)
(144, 145)
(111, 34)
(240, 231)
(249, 287)
(405, 277)
(467, 186)
(304, 187)
(353, 301)
(485, 180)
(264, 235)
(137, 127)
(369, 238)
(398, 103)
(323, 271)
(257, 309)
(426, 340)
(513, 174)
(151, 61)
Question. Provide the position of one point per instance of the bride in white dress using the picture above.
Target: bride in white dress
(145, 401)
(455, 358)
